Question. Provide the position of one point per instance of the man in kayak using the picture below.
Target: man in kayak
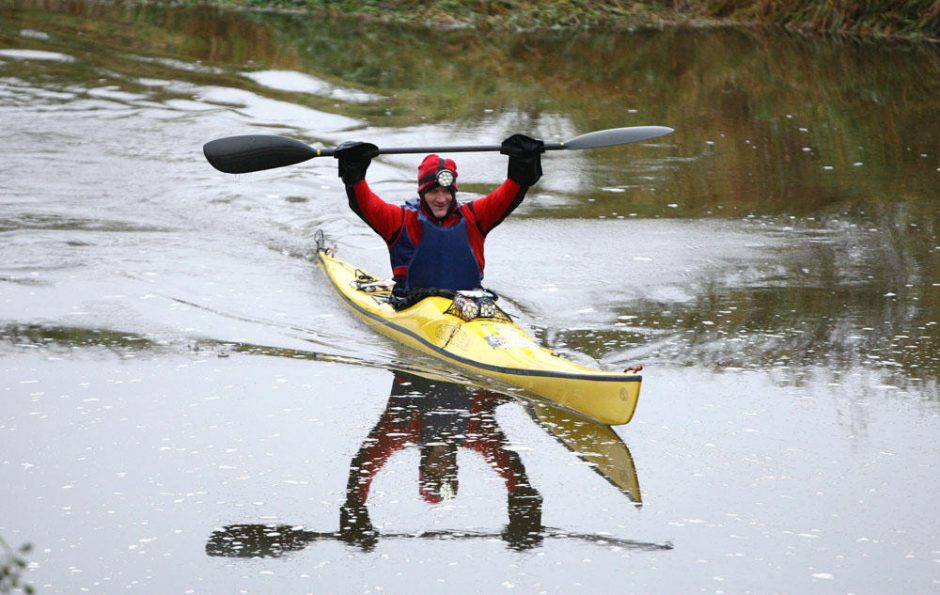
(433, 241)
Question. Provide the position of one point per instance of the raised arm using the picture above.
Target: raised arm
(353, 160)
(524, 170)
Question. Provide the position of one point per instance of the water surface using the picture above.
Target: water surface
(177, 377)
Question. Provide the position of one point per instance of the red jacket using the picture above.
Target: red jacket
(482, 215)
(401, 426)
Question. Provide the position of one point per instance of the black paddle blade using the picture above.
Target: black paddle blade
(256, 152)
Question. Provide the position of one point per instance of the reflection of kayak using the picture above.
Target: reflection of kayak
(494, 346)
(598, 446)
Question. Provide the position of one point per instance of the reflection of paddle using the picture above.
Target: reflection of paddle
(598, 446)
(256, 152)
(271, 541)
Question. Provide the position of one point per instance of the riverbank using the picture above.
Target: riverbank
(917, 20)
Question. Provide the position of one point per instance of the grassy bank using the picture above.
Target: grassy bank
(907, 19)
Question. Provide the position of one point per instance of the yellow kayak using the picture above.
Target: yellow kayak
(492, 346)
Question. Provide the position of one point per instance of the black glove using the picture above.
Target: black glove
(354, 158)
(355, 527)
(525, 529)
(525, 158)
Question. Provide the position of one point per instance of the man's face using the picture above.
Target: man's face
(438, 200)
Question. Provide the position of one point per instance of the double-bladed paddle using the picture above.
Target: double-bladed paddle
(256, 152)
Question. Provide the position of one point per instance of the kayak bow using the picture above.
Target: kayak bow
(494, 347)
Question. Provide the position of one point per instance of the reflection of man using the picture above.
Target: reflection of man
(439, 417)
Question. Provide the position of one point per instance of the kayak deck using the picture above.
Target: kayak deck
(496, 348)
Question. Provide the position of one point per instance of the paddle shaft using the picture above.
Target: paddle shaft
(447, 149)
(243, 154)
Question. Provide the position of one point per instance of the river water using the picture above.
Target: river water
(187, 407)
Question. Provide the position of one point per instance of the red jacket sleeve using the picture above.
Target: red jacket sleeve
(392, 433)
(490, 210)
(384, 218)
(485, 437)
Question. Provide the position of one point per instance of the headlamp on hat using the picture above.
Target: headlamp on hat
(436, 171)
(445, 178)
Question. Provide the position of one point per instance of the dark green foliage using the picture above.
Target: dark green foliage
(895, 18)
(12, 565)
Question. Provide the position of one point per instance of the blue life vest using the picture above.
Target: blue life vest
(443, 259)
